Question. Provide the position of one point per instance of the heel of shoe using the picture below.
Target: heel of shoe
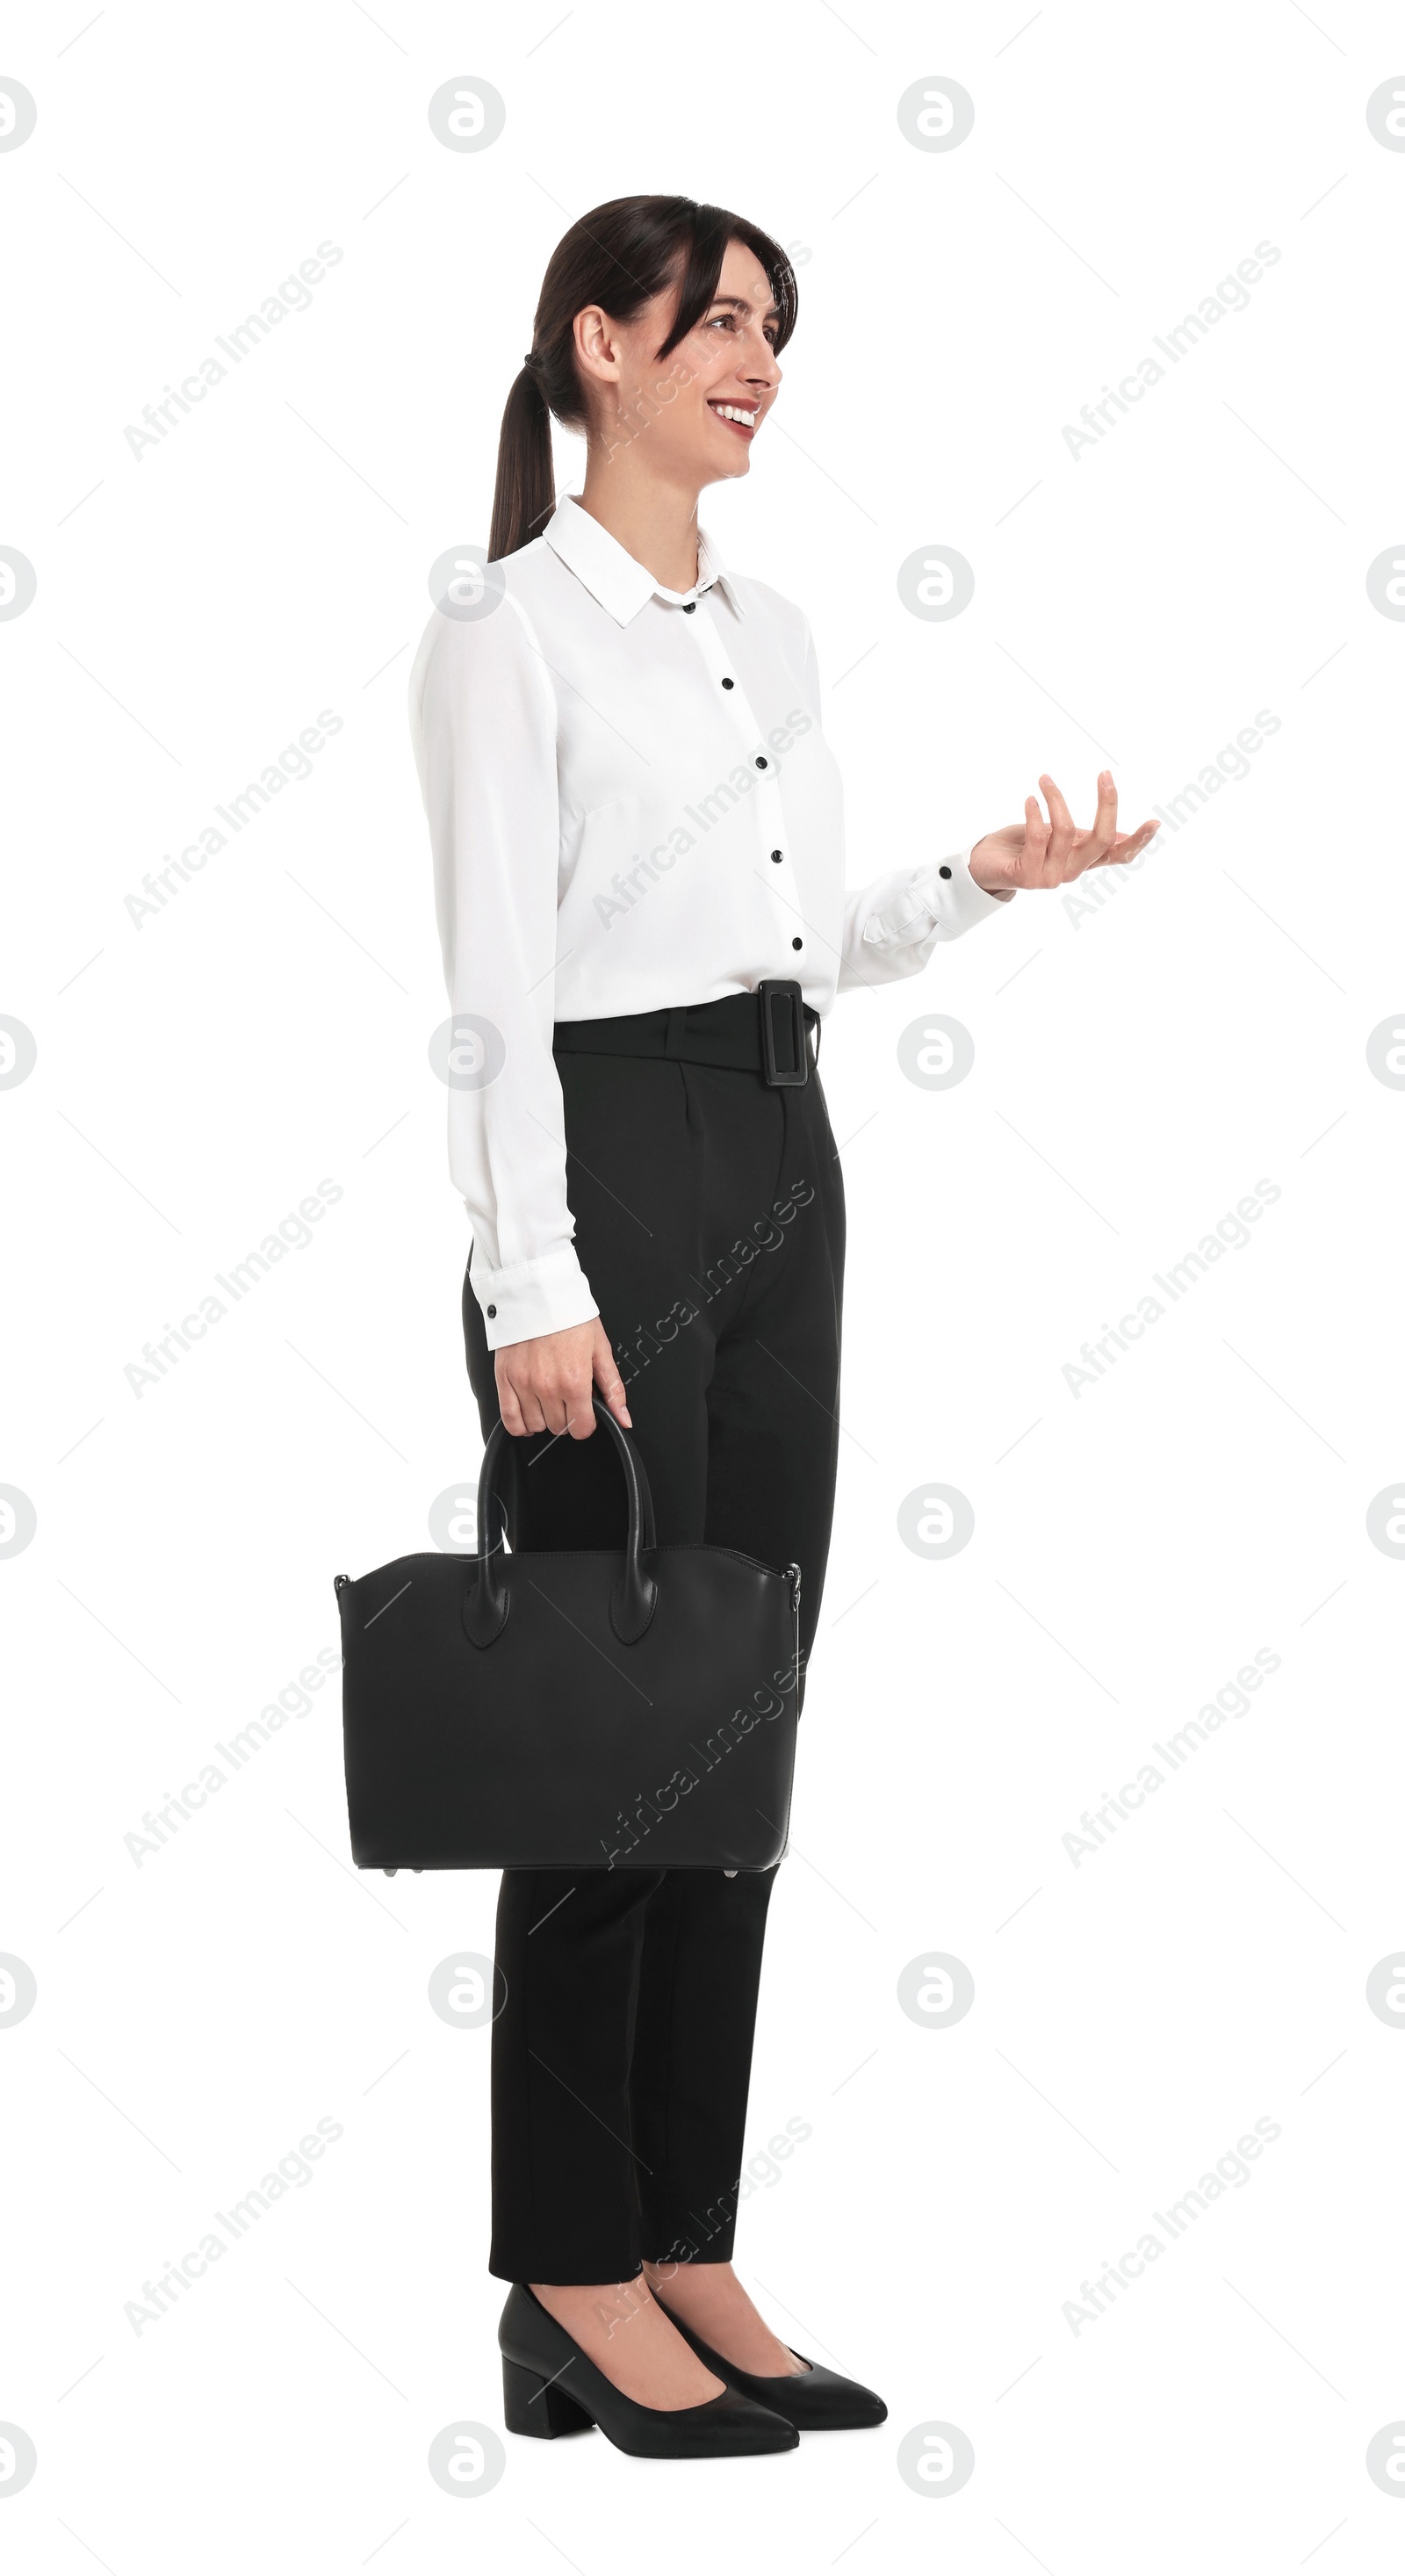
(539, 2407)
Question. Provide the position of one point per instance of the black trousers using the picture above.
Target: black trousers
(709, 1214)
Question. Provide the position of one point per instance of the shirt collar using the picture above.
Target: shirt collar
(621, 585)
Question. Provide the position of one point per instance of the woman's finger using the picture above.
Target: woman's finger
(580, 1414)
(1104, 832)
(1061, 826)
(1129, 845)
(510, 1409)
(563, 1407)
(610, 1382)
(529, 1407)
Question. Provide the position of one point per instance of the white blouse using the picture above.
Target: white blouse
(631, 805)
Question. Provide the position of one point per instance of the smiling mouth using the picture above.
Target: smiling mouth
(739, 420)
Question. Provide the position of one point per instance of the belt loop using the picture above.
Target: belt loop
(673, 1034)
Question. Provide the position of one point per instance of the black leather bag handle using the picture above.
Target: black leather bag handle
(635, 1596)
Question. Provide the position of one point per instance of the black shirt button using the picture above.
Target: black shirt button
(688, 607)
(760, 763)
(490, 1310)
(729, 684)
(943, 872)
(777, 856)
(797, 943)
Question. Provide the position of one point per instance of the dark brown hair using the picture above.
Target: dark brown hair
(618, 256)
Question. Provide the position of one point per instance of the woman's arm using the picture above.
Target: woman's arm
(892, 926)
(483, 717)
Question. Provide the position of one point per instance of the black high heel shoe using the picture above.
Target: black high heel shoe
(814, 2400)
(550, 2388)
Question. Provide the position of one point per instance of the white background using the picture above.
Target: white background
(1135, 1074)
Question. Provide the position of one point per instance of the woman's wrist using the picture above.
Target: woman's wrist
(989, 884)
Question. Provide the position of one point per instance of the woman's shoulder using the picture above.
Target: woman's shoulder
(482, 627)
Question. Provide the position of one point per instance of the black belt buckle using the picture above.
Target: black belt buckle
(785, 1056)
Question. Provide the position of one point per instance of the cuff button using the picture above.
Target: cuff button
(490, 1311)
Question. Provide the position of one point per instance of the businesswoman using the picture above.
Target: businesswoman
(636, 823)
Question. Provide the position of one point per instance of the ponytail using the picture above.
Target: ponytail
(525, 493)
(619, 256)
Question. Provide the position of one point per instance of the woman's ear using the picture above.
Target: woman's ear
(596, 350)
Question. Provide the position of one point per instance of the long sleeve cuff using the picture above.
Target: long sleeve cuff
(544, 1296)
(943, 899)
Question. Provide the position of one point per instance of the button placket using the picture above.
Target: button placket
(766, 793)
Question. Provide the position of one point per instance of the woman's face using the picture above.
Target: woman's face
(690, 417)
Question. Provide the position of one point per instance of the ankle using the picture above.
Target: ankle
(608, 2306)
(661, 2279)
(664, 2278)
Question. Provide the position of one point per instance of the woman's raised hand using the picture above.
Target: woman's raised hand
(545, 1384)
(1040, 852)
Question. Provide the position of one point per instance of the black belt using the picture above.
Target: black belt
(764, 1032)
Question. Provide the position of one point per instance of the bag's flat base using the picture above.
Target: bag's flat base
(573, 1868)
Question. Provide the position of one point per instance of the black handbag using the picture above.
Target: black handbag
(570, 1708)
